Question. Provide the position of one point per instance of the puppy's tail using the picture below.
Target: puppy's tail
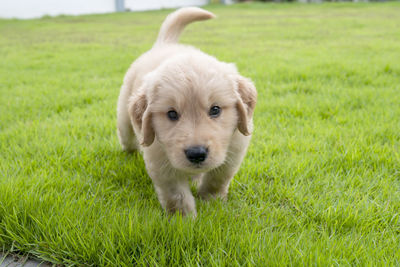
(174, 24)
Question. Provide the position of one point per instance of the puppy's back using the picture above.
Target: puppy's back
(174, 24)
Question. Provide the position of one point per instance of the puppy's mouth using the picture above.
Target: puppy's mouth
(198, 165)
(196, 168)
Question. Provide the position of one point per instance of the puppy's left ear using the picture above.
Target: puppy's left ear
(142, 117)
(246, 103)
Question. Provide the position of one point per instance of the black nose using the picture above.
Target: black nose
(196, 154)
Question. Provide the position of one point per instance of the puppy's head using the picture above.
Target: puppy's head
(193, 106)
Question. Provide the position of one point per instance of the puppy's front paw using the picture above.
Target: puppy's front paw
(128, 145)
(179, 203)
(214, 185)
(207, 194)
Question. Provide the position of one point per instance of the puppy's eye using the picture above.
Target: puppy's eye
(173, 115)
(214, 112)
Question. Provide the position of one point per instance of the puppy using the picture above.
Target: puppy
(190, 115)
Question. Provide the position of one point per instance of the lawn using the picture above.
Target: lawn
(320, 184)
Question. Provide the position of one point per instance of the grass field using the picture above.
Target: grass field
(320, 184)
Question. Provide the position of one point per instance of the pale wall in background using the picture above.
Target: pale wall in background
(25, 9)
(138, 5)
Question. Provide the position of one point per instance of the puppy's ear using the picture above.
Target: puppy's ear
(246, 103)
(142, 118)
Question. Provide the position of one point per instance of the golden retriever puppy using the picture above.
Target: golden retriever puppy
(190, 115)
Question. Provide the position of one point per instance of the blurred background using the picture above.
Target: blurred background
(26, 9)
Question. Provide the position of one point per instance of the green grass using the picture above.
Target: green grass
(320, 184)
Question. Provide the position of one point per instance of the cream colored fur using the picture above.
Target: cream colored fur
(172, 76)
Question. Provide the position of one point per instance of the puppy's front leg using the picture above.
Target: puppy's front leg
(174, 194)
(216, 182)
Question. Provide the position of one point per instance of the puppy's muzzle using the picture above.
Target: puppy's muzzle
(196, 154)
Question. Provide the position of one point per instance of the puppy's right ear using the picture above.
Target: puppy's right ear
(142, 118)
